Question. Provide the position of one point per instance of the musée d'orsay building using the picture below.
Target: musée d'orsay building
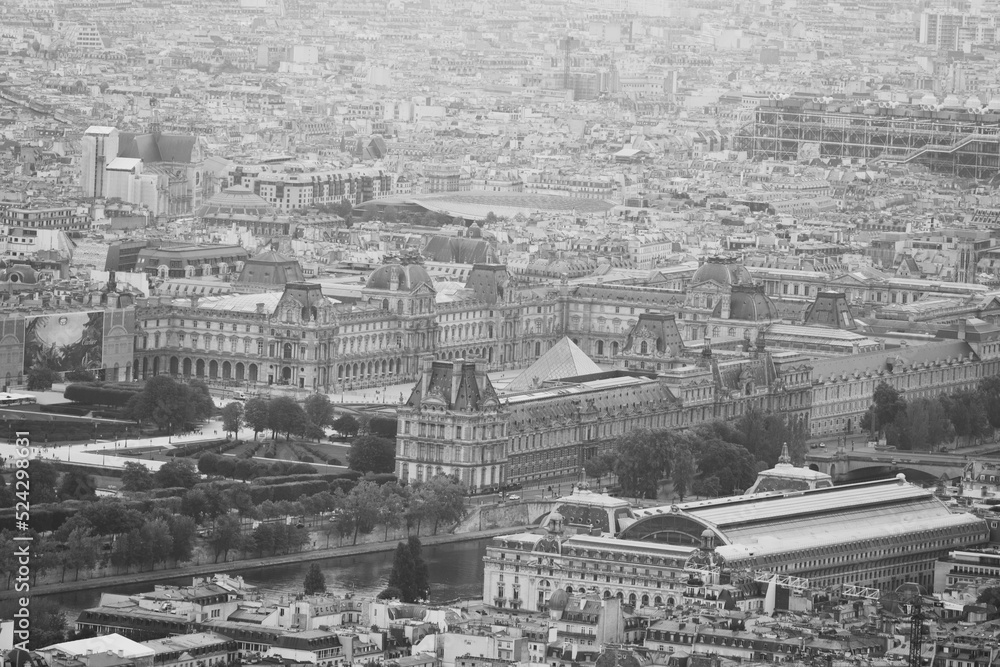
(710, 346)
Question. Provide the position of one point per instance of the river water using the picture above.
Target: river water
(455, 571)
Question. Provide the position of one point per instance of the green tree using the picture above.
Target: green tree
(109, 516)
(731, 465)
(8, 557)
(392, 508)
(346, 425)
(370, 453)
(284, 415)
(421, 580)
(194, 504)
(345, 210)
(246, 469)
(922, 426)
(159, 543)
(82, 551)
(599, 466)
(361, 508)
(226, 537)
(129, 550)
(79, 374)
(176, 473)
(48, 621)
(390, 593)
(642, 458)
(967, 412)
(208, 463)
(763, 435)
(408, 578)
(232, 418)
(311, 431)
(402, 575)
(990, 596)
(491, 218)
(264, 540)
(41, 378)
(682, 469)
(77, 485)
(182, 537)
(989, 390)
(314, 582)
(390, 215)
(239, 498)
(707, 486)
(443, 500)
(255, 414)
(7, 498)
(887, 404)
(169, 404)
(318, 409)
(136, 477)
(44, 482)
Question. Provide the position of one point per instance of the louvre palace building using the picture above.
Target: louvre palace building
(597, 358)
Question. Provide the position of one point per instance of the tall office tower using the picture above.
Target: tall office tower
(100, 147)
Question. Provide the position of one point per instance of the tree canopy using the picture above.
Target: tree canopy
(409, 573)
(319, 410)
(371, 453)
(232, 417)
(41, 378)
(643, 460)
(255, 415)
(170, 404)
(314, 581)
(347, 425)
(175, 473)
(284, 415)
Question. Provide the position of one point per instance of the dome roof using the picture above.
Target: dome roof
(723, 270)
(237, 200)
(19, 273)
(749, 303)
(558, 600)
(398, 276)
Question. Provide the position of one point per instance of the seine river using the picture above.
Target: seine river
(455, 571)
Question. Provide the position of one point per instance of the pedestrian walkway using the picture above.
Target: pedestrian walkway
(95, 453)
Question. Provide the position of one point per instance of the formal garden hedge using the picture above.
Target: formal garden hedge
(114, 396)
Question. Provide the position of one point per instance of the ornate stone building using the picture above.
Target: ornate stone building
(452, 424)
(680, 358)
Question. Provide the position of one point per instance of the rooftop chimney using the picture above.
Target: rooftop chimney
(260, 308)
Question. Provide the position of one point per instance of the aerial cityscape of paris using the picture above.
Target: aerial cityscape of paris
(570, 333)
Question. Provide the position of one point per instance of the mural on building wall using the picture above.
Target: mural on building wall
(65, 341)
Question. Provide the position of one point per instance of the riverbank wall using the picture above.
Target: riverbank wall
(237, 566)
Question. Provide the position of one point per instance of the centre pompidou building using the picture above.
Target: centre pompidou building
(961, 142)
